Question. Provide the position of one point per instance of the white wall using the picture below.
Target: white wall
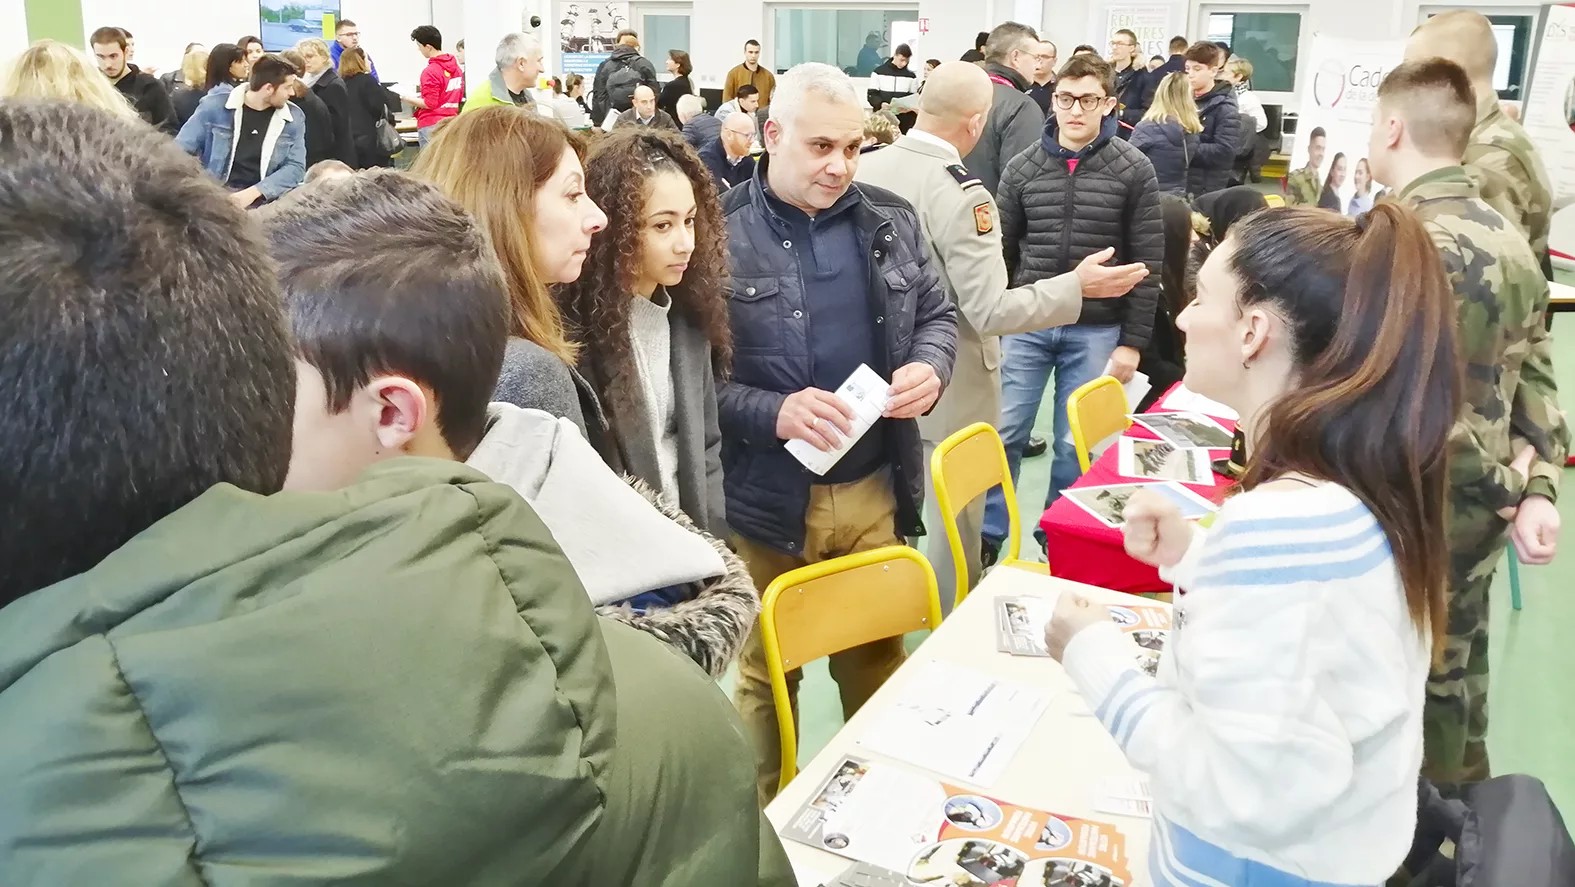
(13, 29)
(164, 27)
(718, 29)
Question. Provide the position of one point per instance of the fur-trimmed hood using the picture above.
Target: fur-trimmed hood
(622, 537)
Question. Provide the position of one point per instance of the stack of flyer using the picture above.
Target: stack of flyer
(935, 833)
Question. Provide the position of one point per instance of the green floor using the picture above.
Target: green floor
(1533, 704)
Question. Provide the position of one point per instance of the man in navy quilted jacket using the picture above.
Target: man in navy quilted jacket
(827, 277)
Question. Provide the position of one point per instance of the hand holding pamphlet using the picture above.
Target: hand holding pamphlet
(866, 393)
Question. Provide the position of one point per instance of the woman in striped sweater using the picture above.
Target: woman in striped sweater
(1283, 733)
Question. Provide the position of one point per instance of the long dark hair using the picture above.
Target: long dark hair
(1328, 180)
(220, 59)
(1175, 277)
(1372, 322)
(596, 307)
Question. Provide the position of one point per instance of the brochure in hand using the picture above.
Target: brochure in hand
(867, 394)
(935, 833)
(1020, 626)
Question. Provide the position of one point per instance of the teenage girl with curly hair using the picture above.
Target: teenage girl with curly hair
(650, 317)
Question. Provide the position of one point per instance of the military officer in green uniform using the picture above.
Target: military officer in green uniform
(958, 217)
(1511, 439)
(1500, 157)
(1304, 186)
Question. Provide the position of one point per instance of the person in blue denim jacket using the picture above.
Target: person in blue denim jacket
(251, 139)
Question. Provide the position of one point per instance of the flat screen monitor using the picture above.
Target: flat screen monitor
(284, 23)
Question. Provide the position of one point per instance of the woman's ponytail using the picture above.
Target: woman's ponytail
(1372, 317)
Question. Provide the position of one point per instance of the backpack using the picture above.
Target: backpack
(621, 83)
(1507, 833)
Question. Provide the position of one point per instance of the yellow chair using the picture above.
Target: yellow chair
(964, 467)
(1096, 411)
(835, 605)
(1273, 200)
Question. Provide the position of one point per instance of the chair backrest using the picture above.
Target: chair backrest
(1096, 411)
(1274, 200)
(834, 605)
(964, 467)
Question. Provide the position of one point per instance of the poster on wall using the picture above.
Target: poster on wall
(1549, 114)
(587, 32)
(284, 23)
(1346, 77)
(1154, 26)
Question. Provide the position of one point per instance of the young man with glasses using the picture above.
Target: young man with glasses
(1130, 74)
(347, 35)
(1044, 76)
(1078, 191)
(1011, 59)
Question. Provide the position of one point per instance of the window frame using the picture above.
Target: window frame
(1525, 42)
(770, 14)
(1287, 98)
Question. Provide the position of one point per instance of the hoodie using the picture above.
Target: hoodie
(442, 88)
(584, 504)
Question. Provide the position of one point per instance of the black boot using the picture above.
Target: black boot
(1036, 447)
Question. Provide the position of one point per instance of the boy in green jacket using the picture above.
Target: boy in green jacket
(204, 680)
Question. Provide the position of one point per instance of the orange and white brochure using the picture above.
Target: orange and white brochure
(935, 833)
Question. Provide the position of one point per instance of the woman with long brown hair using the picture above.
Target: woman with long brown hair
(651, 318)
(1283, 732)
(519, 174)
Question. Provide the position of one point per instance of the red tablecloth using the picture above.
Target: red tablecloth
(1082, 549)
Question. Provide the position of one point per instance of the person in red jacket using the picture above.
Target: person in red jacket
(442, 83)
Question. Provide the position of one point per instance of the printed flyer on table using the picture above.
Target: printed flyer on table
(935, 833)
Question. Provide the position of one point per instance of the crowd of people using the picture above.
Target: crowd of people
(273, 627)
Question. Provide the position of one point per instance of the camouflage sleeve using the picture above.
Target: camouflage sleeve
(1477, 468)
(1536, 418)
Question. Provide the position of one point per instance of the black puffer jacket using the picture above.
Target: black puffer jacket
(1169, 148)
(1052, 218)
(767, 489)
(1129, 88)
(1218, 143)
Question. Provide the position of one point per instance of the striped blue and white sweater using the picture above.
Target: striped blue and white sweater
(1283, 733)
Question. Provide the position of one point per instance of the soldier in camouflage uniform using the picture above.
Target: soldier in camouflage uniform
(1421, 127)
(1304, 186)
(1501, 157)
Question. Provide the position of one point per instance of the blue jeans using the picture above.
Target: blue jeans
(1076, 355)
(424, 135)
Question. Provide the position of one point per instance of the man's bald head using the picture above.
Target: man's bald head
(956, 91)
(1463, 36)
(740, 122)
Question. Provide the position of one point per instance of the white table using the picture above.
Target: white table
(1561, 297)
(1066, 757)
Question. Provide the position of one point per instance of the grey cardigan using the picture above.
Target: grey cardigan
(537, 379)
(626, 441)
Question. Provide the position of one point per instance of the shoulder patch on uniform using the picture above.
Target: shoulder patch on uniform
(963, 176)
(984, 218)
